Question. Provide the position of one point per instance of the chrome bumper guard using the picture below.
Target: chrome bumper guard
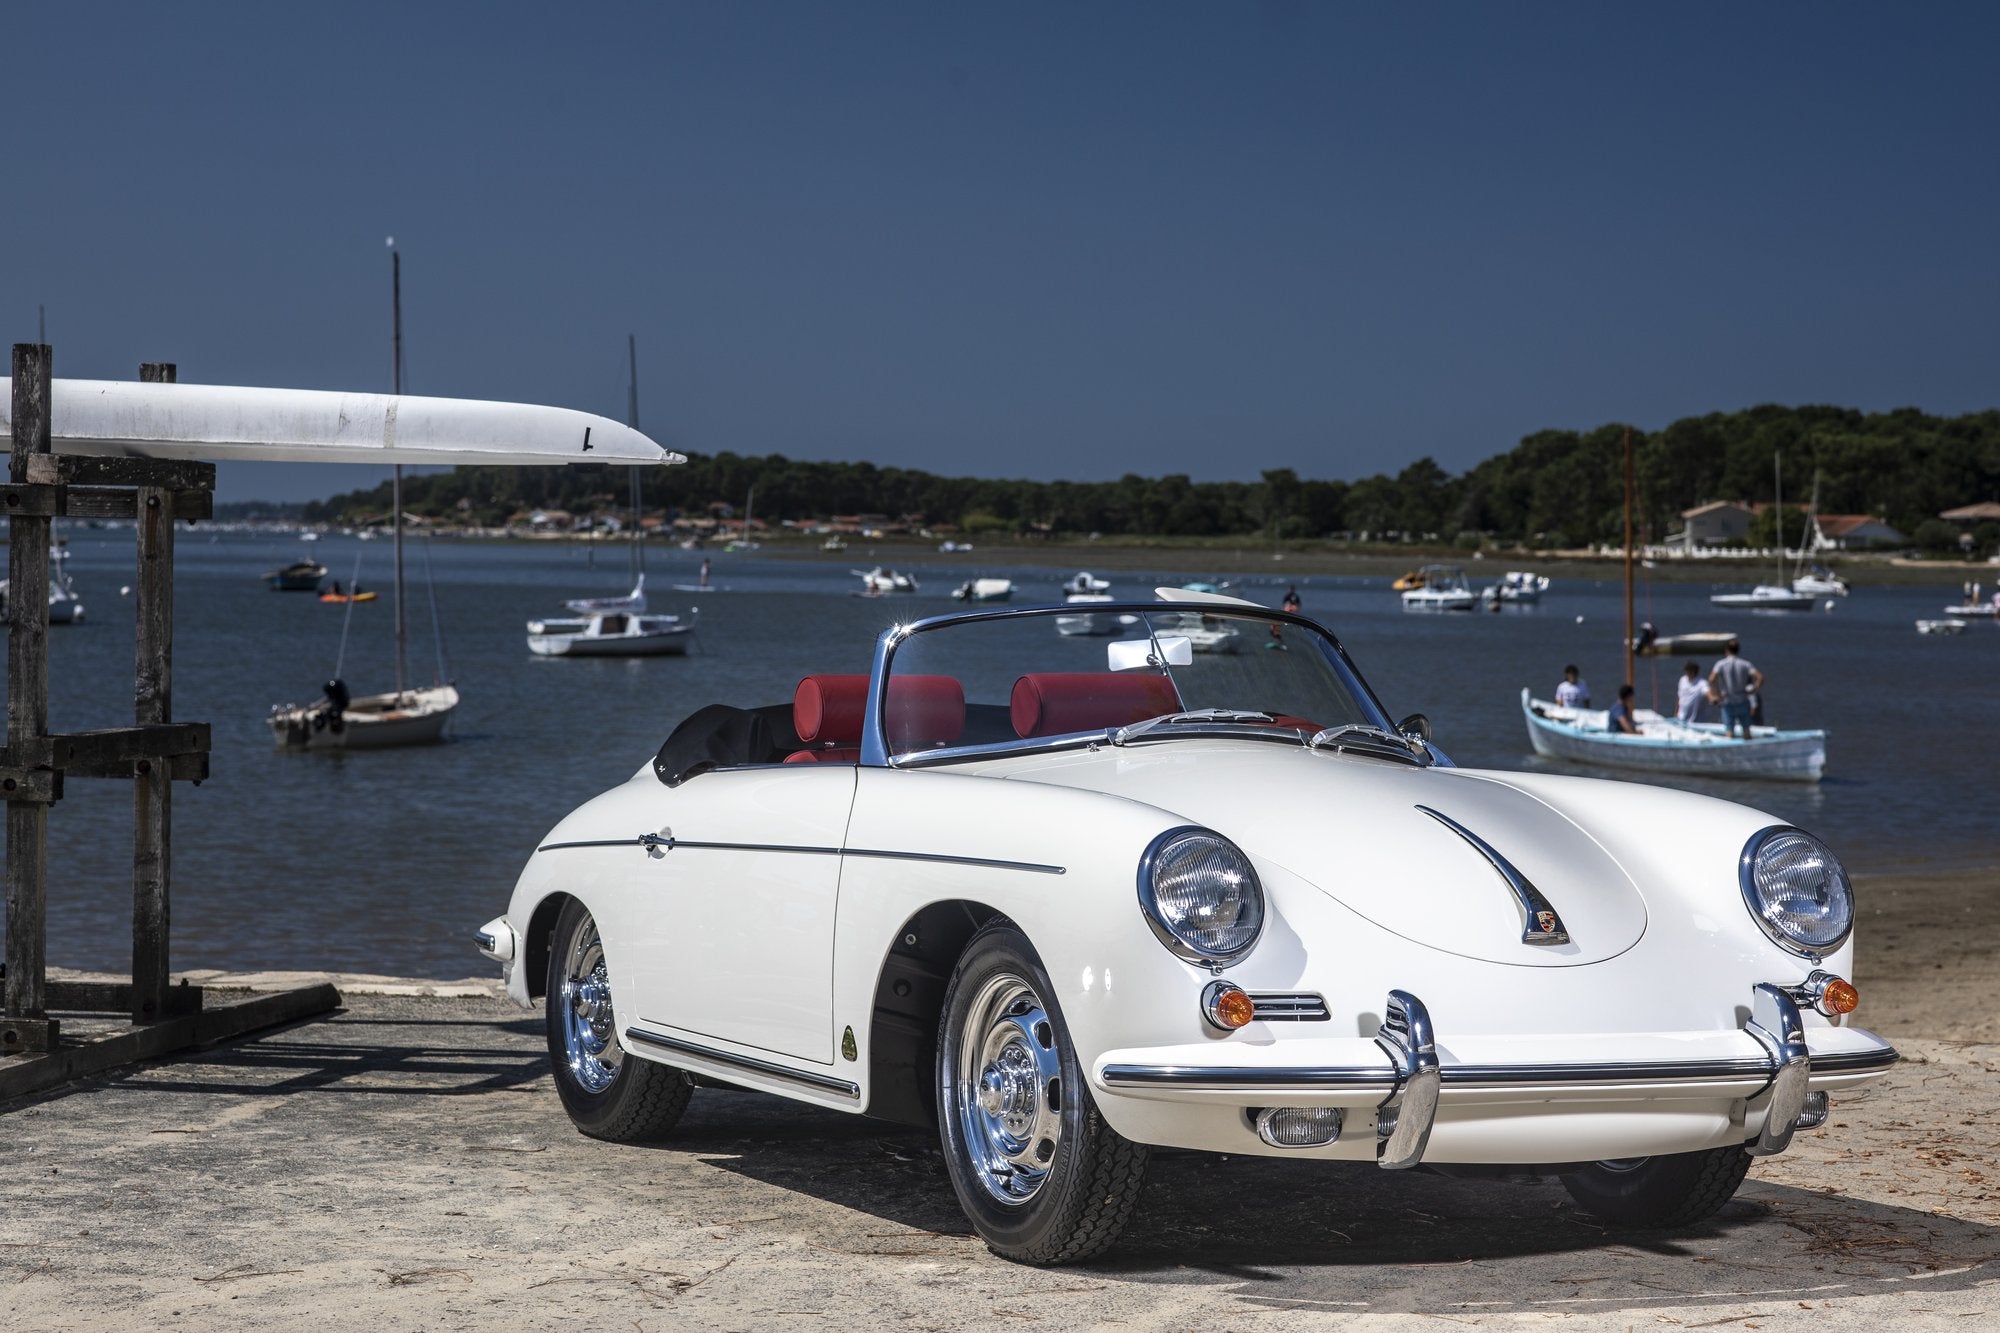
(1416, 1077)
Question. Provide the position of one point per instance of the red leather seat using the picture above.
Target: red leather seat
(828, 713)
(1054, 702)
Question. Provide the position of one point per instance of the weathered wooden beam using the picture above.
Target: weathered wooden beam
(40, 501)
(174, 474)
(152, 784)
(30, 784)
(24, 1021)
(111, 997)
(79, 750)
(39, 1073)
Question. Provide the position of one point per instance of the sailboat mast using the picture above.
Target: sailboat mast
(1778, 509)
(632, 420)
(1629, 629)
(396, 484)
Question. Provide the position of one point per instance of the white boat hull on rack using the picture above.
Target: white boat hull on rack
(1665, 745)
(221, 422)
(371, 722)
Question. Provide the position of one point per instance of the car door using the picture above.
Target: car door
(739, 926)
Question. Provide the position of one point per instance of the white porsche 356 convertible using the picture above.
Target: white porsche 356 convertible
(1068, 898)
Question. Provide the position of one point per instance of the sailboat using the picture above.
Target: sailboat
(615, 626)
(744, 542)
(1666, 744)
(64, 606)
(405, 715)
(1810, 576)
(1778, 596)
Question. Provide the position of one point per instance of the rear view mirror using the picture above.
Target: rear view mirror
(1138, 654)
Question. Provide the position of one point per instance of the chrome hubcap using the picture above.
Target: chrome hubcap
(589, 1031)
(1010, 1091)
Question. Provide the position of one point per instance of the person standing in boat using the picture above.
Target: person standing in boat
(1733, 682)
(1692, 692)
(1572, 693)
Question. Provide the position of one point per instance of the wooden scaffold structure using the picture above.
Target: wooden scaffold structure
(153, 753)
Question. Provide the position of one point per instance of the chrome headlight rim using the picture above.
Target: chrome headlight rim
(1213, 959)
(1753, 901)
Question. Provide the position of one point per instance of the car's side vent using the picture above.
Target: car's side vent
(1289, 1006)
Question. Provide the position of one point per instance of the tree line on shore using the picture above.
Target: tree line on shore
(1556, 488)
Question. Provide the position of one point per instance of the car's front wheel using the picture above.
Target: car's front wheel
(608, 1094)
(1042, 1177)
(1674, 1190)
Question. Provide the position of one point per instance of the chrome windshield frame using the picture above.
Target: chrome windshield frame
(874, 739)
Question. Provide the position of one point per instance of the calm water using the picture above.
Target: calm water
(385, 862)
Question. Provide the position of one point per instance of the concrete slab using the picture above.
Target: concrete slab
(405, 1165)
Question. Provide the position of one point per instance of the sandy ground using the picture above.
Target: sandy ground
(405, 1165)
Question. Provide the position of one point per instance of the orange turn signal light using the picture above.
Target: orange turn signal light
(1839, 997)
(1227, 1005)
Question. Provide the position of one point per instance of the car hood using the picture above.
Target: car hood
(1358, 830)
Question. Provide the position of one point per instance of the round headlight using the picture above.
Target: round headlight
(1201, 896)
(1795, 887)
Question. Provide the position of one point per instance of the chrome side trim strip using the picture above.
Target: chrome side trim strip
(1541, 924)
(746, 1063)
(1223, 1078)
(1032, 867)
(1856, 1062)
(653, 842)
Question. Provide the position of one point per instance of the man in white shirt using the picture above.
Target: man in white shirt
(1572, 693)
(1692, 692)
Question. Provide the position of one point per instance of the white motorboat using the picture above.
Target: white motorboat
(1666, 745)
(1518, 586)
(1819, 581)
(633, 601)
(880, 580)
(610, 634)
(1766, 597)
(371, 722)
(1953, 626)
(983, 590)
(1443, 589)
(1084, 584)
(1981, 609)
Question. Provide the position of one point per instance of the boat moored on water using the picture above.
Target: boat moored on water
(610, 634)
(299, 576)
(1518, 587)
(1766, 597)
(983, 590)
(1444, 589)
(338, 721)
(1952, 626)
(879, 580)
(1701, 643)
(1667, 745)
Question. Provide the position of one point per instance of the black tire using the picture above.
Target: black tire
(609, 1094)
(1071, 1182)
(1676, 1190)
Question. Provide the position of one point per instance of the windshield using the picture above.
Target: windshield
(1006, 680)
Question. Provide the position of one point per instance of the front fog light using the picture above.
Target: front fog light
(1299, 1126)
(1814, 1112)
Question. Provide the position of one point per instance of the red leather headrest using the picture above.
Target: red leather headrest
(1055, 702)
(829, 709)
(924, 711)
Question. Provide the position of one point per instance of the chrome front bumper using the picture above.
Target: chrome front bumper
(1408, 1088)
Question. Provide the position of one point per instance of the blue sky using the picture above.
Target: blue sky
(1042, 240)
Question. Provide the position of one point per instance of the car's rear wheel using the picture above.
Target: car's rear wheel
(608, 1094)
(1042, 1177)
(1675, 1190)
